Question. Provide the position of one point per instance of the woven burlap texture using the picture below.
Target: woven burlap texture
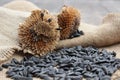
(10, 20)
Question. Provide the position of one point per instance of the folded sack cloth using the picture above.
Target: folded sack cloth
(21, 5)
(9, 23)
(10, 20)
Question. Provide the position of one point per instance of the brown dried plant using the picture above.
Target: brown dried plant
(69, 21)
(39, 33)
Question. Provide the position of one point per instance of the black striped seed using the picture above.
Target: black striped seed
(5, 65)
(1, 68)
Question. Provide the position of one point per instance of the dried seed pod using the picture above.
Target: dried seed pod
(69, 21)
(38, 34)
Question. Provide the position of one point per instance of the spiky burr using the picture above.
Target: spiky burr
(39, 33)
(69, 21)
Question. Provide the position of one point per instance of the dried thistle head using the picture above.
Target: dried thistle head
(39, 33)
(69, 21)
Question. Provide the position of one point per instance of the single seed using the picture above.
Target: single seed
(1, 68)
(49, 20)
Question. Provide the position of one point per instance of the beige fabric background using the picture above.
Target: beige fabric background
(12, 18)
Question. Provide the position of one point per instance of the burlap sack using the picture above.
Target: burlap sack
(22, 5)
(10, 20)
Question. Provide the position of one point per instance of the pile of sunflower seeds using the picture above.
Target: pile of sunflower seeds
(66, 64)
(77, 33)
